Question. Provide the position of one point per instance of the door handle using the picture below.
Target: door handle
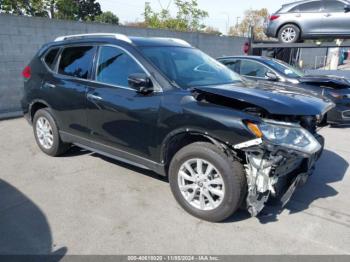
(93, 97)
(327, 15)
(298, 15)
(48, 85)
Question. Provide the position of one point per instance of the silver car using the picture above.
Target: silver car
(310, 19)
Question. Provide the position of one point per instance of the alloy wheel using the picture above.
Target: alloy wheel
(44, 132)
(288, 35)
(201, 184)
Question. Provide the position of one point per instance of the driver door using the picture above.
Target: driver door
(119, 117)
(336, 21)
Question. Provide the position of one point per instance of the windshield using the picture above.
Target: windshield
(285, 68)
(189, 67)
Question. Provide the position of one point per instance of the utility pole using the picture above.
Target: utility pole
(227, 22)
(237, 20)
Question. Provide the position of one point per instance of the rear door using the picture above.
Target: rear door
(336, 21)
(67, 87)
(309, 16)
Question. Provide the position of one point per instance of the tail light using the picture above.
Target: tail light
(27, 72)
(246, 47)
(274, 17)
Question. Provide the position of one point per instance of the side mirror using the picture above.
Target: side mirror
(141, 83)
(347, 8)
(271, 76)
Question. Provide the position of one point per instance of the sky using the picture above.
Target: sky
(222, 13)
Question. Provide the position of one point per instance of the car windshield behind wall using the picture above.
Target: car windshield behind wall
(285, 68)
(189, 67)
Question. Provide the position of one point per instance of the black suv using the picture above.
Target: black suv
(163, 105)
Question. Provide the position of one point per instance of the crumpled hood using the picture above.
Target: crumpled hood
(335, 81)
(275, 99)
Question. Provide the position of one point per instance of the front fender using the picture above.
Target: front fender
(223, 124)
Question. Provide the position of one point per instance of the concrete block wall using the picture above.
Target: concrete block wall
(21, 37)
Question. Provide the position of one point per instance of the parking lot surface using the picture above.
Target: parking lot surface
(83, 203)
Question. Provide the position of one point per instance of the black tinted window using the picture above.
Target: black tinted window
(114, 66)
(232, 64)
(252, 68)
(334, 6)
(314, 6)
(77, 61)
(50, 57)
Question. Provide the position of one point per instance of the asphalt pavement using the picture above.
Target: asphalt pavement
(83, 203)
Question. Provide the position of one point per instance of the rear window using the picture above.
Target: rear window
(314, 6)
(77, 61)
(50, 57)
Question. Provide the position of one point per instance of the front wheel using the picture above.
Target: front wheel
(206, 182)
(289, 34)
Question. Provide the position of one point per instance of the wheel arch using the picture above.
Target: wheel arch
(35, 106)
(181, 138)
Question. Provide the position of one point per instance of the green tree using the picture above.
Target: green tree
(84, 10)
(88, 10)
(24, 7)
(66, 9)
(255, 18)
(108, 18)
(188, 17)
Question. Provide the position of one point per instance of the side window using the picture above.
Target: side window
(314, 6)
(254, 69)
(232, 64)
(77, 61)
(333, 6)
(50, 57)
(114, 66)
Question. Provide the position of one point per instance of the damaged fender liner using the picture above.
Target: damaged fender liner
(265, 165)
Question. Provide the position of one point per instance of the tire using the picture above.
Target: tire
(233, 187)
(292, 37)
(54, 145)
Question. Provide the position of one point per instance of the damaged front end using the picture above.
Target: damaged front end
(281, 158)
(286, 144)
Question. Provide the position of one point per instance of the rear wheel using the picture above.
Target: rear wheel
(206, 182)
(289, 34)
(47, 135)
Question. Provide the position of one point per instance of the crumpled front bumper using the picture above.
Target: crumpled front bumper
(300, 175)
(274, 172)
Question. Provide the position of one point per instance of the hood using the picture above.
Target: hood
(275, 99)
(335, 82)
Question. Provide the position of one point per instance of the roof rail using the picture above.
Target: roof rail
(80, 36)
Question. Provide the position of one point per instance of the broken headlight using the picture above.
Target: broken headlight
(288, 135)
